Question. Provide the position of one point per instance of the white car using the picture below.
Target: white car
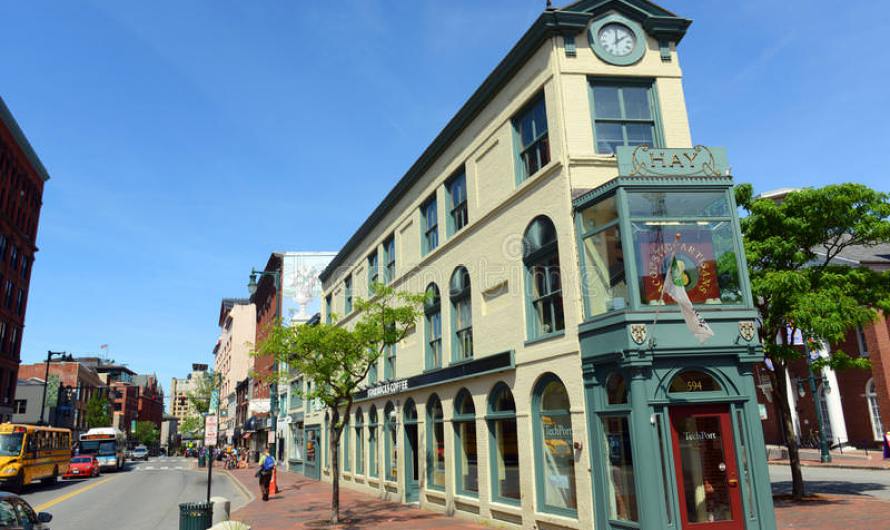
(140, 452)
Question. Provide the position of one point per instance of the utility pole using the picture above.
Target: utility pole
(213, 391)
(824, 453)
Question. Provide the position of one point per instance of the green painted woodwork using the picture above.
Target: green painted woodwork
(434, 416)
(568, 43)
(460, 296)
(539, 459)
(668, 162)
(312, 468)
(540, 258)
(347, 295)
(668, 350)
(620, 84)
(411, 447)
(571, 20)
(639, 46)
(373, 272)
(359, 443)
(389, 259)
(432, 328)
(373, 431)
(464, 414)
(344, 447)
(534, 145)
(458, 214)
(492, 417)
(429, 225)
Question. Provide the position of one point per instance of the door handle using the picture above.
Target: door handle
(733, 482)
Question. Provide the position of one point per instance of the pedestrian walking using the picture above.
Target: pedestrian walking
(264, 472)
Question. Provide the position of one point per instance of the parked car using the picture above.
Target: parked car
(82, 466)
(16, 513)
(140, 452)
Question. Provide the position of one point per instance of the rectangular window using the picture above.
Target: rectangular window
(457, 202)
(26, 265)
(373, 273)
(430, 225)
(434, 339)
(532, 143)
(463, 329)
(347, 295)
(623, 114)
(372, 372)
(863, 344)
(622, 495)
(4, 348)
(389, 366)
(20, 406)
(14, 257)
(20, 302)
(296, 396)
(3, 244)
(10, 293)
(389, 259)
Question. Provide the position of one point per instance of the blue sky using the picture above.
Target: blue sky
(187, 140)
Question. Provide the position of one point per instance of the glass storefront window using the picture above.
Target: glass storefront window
(372, 442)
(603, 275)
(599, 215)
(436, 449)
(505, 445)
(556, 451)
(678, 204)
(296, 452)
(705, 488)
(359, 443)
(467, 462)
(620, 470)
(391, 462)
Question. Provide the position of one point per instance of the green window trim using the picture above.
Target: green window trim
(429, 213)
(347, 295)
(543, 280)
(390, 431)
(389, 259)
(328, 317)
(435, 422)
(620, 226)
(432, 318)
(296, 397)
(539, 425)
(373, 272)
(458, 213)
(372, 372)
(626, 121)
(493, 417)
(531, 143)
(344, 446)
(460, 293)
(465, 416)
(389, 362)
(359, 443)
(372, 443)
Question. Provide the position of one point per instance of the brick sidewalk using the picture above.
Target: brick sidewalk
(304, 504)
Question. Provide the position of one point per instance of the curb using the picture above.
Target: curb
(833, 466)
(242, 488)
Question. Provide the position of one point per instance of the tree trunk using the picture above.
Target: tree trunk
(335, 476)
(780, 392)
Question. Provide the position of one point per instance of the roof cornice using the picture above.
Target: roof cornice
(21, 140)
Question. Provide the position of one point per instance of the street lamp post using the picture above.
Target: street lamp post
(49, 355)
(273, 387)
(824, 453)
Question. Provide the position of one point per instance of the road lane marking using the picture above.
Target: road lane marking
(65, 497)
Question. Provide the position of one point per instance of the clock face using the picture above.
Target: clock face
(617, 39)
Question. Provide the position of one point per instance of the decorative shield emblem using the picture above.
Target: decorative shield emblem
(638, 333)
(747, 330)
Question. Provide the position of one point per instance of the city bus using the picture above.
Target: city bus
(108, 444)
(30, 452)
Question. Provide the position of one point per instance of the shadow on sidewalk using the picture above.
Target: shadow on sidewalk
(841, 487)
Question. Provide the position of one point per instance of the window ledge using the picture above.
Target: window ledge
(507, 507)
(466, 499)
(433, 492)
(545, 338)
(560, 519)
(462, 361)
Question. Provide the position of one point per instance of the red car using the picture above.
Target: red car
(83, 466)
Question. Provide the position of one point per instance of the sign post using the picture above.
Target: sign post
(211, 431)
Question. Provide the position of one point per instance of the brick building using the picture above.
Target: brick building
(78, 381)
(22, 177)
(267, 300)
(151, 399)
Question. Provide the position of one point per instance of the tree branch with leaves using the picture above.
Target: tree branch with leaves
(335, 359)
(800, 286)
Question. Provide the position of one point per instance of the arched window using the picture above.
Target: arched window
(432, 311)
(390, 427)
(344, 446)
(435, 452)
(694, 381)
(540, 254)
(461, 315)
(372, 442)
(554, 438)
(466, 465)
(504, 445)
(359, 442)
(874, 412)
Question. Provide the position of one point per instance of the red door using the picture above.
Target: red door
(705, 460)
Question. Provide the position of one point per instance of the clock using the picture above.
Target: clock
(617, 39)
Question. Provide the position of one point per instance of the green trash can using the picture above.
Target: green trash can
(195, 515)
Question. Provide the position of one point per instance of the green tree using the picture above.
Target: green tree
(200, 394)
(98, 411)
(798, 286)
(336, 360)
(192, 425)
(147, 433)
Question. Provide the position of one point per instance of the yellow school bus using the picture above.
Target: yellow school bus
(29, 452)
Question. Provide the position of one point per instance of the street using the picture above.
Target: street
(145, 496)
(874, 483)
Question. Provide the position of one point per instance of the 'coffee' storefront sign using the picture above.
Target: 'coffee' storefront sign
(388, 388)
(698, 161)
